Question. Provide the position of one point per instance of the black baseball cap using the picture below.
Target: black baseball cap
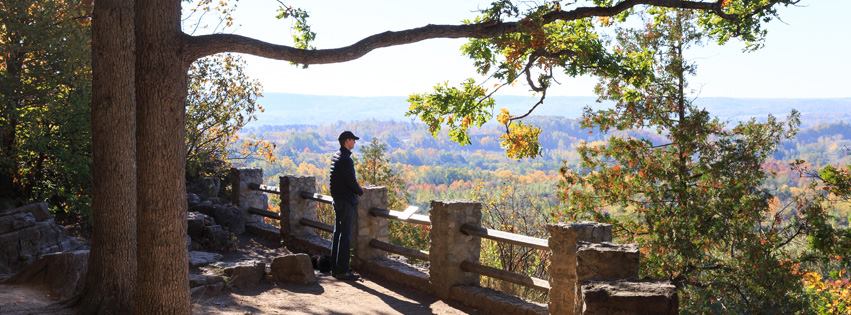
(347, 135)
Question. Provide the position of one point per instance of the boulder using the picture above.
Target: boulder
(27, 233)
(39, 210)
(245, 274)
(228, 216)
(195, 223)
(16, 221)
(197, 259)
(63, 274)
(293, 268)
(205, 187)
(192, 199)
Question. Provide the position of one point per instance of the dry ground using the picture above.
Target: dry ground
(329, 296)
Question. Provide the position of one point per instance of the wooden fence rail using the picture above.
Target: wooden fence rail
(454, 256)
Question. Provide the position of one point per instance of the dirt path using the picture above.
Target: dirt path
(327, 297)
(20, 299)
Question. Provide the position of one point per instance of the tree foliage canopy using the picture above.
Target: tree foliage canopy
(572, 38)
(696, 204)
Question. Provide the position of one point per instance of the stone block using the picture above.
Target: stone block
(592, 232)
(63, 274)
(21, 247)
(627, 297)
(39, 211)
(607, 261)
(195, 223)
(198, 259)
(227, 216)
(293, 268)
(245, 274)
(16, 221)
(265, 231)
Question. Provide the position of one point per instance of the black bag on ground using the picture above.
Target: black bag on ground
(321, 263)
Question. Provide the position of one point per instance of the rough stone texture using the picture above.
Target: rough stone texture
(195, 223)
(562, 243)
(39, 210)
(625, 297)
(592, 232)
(293, 268)
(63, 274)
(245, 274)
(490, 301)
(606, 261)
(265, 231)
(227, 216)
(311, 244)
(215, 238)
(207, 290)
(245, 198)
(368, 227)
(294, 207)
(16, 221)
(450, 247)
(196, 280)
(198, 259)
(192, 199)
(399, 273)
(205, 187)
(27, 233)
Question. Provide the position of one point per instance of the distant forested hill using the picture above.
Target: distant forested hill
(294, 109)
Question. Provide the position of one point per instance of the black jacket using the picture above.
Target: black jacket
(344, 184)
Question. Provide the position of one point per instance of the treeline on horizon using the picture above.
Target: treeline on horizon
(435, 167)
(410, 143)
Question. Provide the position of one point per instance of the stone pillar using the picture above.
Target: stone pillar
(369, 227)
(294, 207)
(450, 247)
(562, 243)
(245, 198)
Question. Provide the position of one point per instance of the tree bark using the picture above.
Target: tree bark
(112, 261)
(161, 81)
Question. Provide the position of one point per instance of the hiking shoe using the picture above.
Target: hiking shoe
(348, 276)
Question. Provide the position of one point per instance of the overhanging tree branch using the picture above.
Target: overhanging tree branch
(199, 46)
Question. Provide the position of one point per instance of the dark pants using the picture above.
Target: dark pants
(344, 212)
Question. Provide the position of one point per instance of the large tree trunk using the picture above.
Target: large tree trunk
(161, 78)
(112, 261)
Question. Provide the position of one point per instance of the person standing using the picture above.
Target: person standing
(345, 191)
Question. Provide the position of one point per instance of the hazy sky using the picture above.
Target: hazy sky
(806, 55)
